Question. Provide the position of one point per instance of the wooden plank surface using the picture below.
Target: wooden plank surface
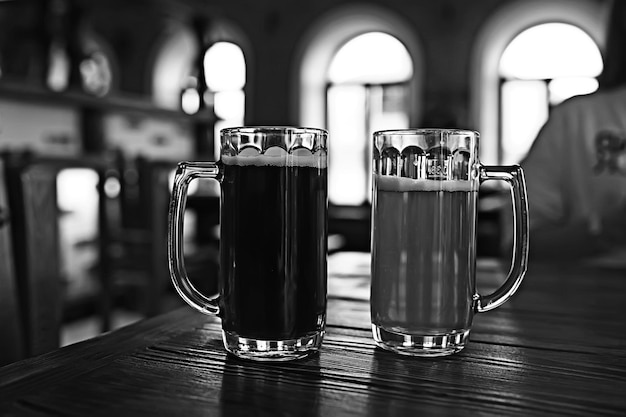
(553, 349)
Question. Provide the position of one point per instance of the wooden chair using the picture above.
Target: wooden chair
(11, 348)
(31, 287)
(135, 241)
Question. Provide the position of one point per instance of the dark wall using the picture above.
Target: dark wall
(273, 29)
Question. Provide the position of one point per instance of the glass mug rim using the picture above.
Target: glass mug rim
(425, 131)
(255, 141)
(232, 131)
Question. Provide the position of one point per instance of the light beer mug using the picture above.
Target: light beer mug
(424, 215)
(273, 240)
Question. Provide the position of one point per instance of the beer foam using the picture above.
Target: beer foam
(277, 156)
(402, 184)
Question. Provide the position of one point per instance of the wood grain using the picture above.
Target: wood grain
(550, 351)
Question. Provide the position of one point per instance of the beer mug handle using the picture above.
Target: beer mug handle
(514, 176)
(185, 173)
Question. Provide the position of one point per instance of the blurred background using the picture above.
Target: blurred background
(107, 95)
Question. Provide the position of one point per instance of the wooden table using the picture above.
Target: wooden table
(558, 347)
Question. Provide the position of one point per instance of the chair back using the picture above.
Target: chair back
(32, 203)
(134, 242)
(11, 348)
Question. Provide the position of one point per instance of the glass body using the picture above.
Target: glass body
(424, 215)
(273, 240)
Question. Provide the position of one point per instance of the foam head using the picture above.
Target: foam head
(277, 156)
(402, 184)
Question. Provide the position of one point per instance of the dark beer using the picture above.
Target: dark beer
(273, 247)
(423, 256)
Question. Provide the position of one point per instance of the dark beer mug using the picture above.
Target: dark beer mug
(424, 212)
(273, 240)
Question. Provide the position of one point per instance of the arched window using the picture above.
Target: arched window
(225, 73)
(368, 84)
(175, 78)
(496, 34)
(541, 67)
(353, 91)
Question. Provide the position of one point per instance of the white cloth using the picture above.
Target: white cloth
(567, 183)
